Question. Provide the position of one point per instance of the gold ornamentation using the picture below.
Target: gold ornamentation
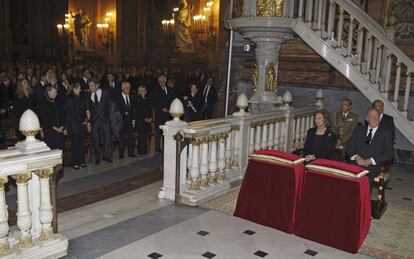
(176, 114)
(4, 248)
(269, 8)
(235, 127)
(29, 133)
(221, 176)
(237, 8)
(204, 182)
(46, 234)
(341, 10)
(25, 241)
(254, 77)
(45, 173)
(398, 64)
(3, 181)
(212, 179)
(235, 163)
(270, 78)
(194, 185)
(22, 178)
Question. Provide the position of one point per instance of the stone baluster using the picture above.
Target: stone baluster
(300, 11)
(229, 151)
(284, 127)
(221, 157)
(195, 170)
(324, 15)
(258, 136)
(212, 166)
(251, 138)
(319, 19)
(368, 53)
(297, 132)
(270, 139)
(277, 134)
(331, 18)
(237, 141)
(204, 162)
(397, 84)
(4, 217)
(24, 220)
(350, 35)
(189, 161)
(407, 91)
(315, 13)
(46, 213)
(309, 11)
(340, 26)
(264, 135)
(302, 131)
(360, 42)
(379, 62)
(388, 74)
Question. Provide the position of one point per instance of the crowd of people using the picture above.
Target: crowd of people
(368, 145)
(107, 102)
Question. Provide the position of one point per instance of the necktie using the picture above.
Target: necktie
(343, 116)
(95, 98)
(369, 137)
(206, 93)
(165, 90)
(127, 101)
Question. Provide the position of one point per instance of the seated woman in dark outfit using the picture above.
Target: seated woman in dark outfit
(320, 140)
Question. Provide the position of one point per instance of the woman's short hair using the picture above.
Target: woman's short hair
(325, 115)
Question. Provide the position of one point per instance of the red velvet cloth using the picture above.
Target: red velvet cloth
(269, 193)
(334, 210)
(277, 153)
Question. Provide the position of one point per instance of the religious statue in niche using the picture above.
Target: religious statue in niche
(254, 77)
(269, 7)
(183, 40)
(82, 25)
(401, 16)
(237, 8)
(270, 78)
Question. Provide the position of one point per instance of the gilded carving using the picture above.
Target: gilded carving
(25, 241)
(4, 249)
(270, 78)
(269, 7)
(45, 173)
(254, 77)
(46, 234)
(22, 178)
(3, 181)
(237, 8)
(400, 15)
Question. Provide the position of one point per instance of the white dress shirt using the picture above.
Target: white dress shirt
(374, 130)
(126, 97)
(205, 93)
(98, 93)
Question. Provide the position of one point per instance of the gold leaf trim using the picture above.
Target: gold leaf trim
(338, 172)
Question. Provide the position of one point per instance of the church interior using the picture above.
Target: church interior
(207, 129)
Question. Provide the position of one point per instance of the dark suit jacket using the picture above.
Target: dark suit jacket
(161, 101)
(39, 93)
(197, 104)
(21, 104)
(380, 148)
(128, 114)
(324, 147)
(100, 111)
(114, 92)
(75, 115)
(83, 84)
(387, 123)
(144, 111)
(212, 97)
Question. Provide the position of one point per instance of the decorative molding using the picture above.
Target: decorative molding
(400, 15)
(22, 178)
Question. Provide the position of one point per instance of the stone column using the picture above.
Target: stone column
(24, 221)
(46, 213)
(4, 225)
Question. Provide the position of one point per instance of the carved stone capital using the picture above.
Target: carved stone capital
(22, 178)
(3, 181)
(45, 173)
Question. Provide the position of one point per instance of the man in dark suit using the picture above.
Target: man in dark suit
(126, 105)
(40, 89)
(113, 87)
(143, 118)
(162, 98)
(371, 145)
(210, 98)
(386, 121)
(97, 112)
(84, 79)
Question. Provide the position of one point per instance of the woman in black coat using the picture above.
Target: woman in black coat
(51, 119)
(193, 104)
(143, 119)
(320, 140)
(25, 99)
(75, 126)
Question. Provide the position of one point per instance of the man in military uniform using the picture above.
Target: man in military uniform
(344, 123)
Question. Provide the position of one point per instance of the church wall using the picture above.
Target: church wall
(4, 30)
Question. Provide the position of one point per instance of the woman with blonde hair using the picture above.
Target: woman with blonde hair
(24, 99)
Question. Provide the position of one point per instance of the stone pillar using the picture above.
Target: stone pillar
(4, 225)
(46, 213)
(24, 221)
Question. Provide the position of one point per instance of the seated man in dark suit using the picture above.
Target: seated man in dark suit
(386, 121)
(371, 145)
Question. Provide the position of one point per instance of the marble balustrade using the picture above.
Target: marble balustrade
(216, 151)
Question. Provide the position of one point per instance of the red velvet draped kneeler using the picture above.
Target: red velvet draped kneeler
(270, 189)
(334, 209)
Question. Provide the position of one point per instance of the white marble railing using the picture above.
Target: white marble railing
(213, 154)
(30, 163)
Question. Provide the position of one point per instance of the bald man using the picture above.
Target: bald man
(371, 145)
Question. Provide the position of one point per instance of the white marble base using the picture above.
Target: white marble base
(51, 249)
(194, 198)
